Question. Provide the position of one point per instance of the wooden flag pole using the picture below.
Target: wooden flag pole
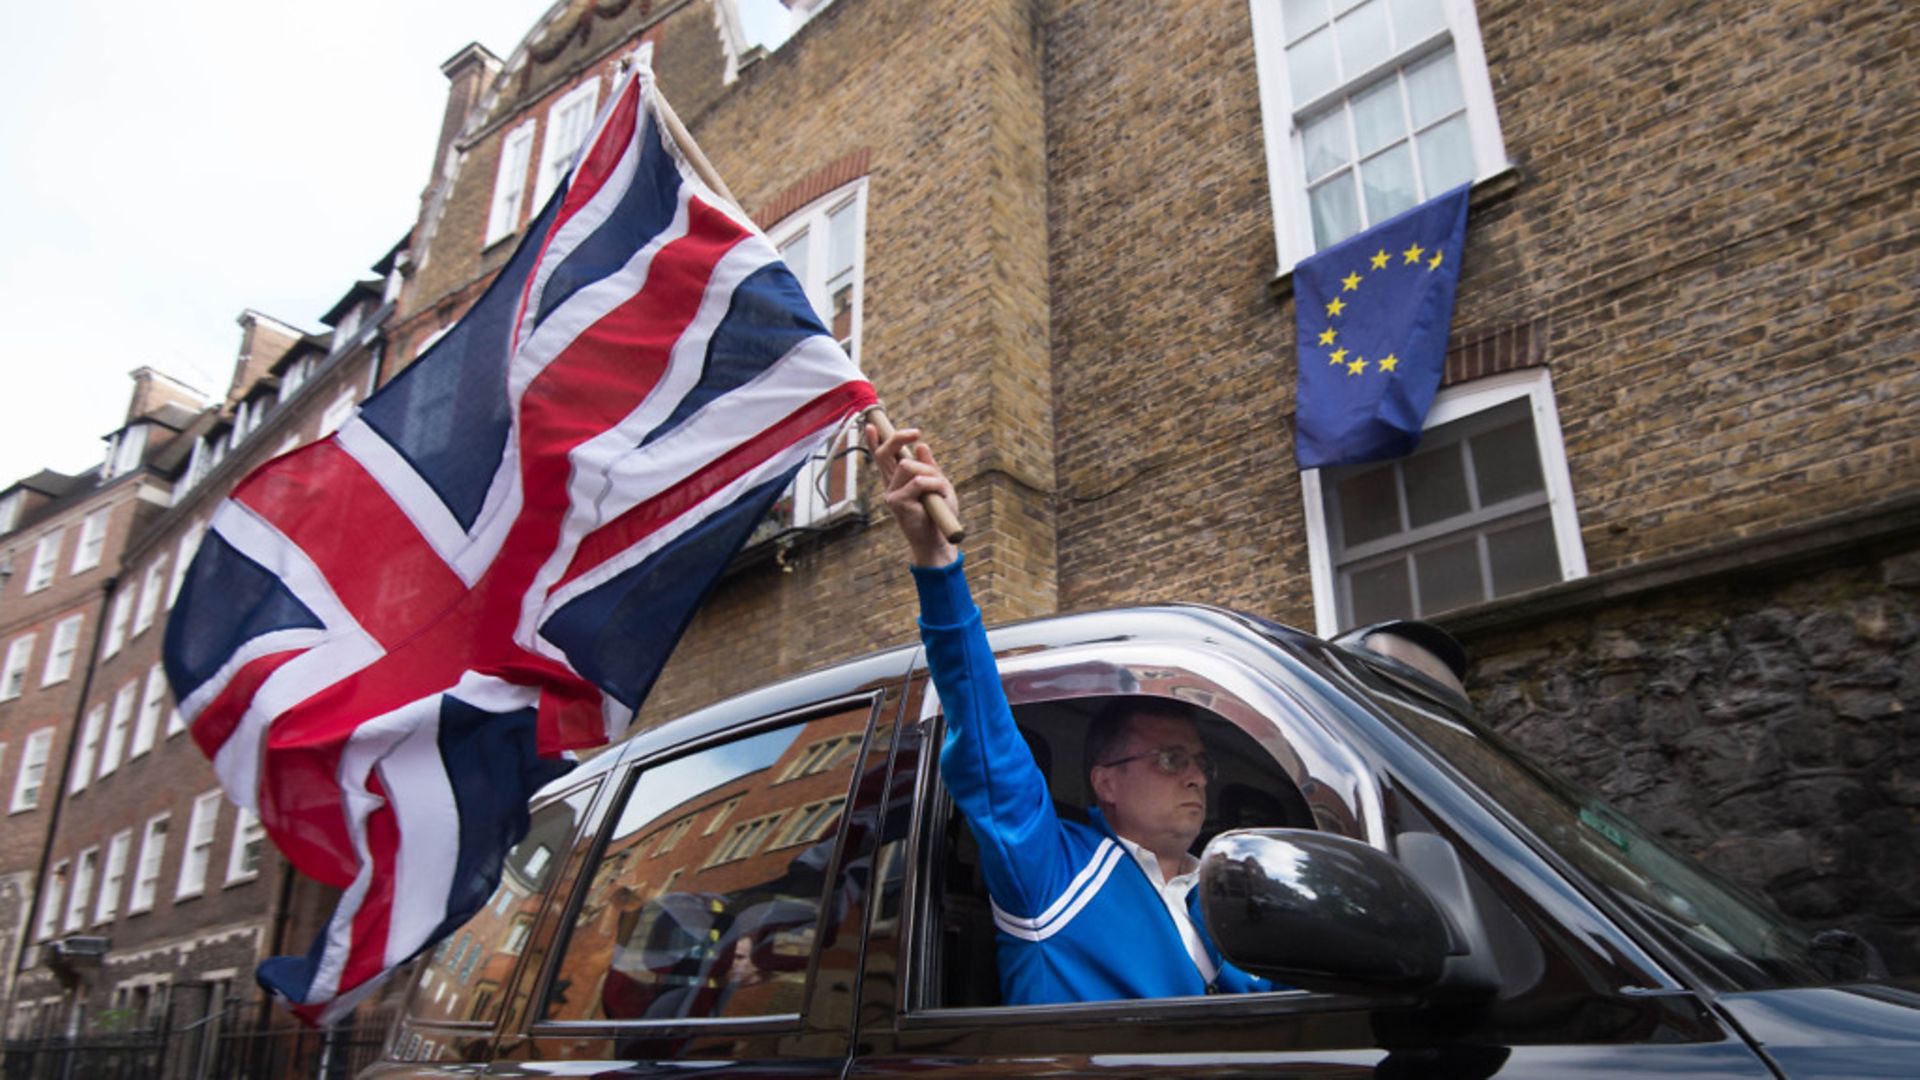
(684, 139)
(937, 508)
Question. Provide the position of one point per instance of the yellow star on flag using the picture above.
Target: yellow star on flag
(1357, 366)
(1413, 254)
(1380, 259)
(1327, 336)
(1350, 282)
(1389, 363)
(1335, 306)
(1337, 357)
(1434, 263)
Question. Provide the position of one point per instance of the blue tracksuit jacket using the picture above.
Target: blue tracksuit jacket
(1077, 918)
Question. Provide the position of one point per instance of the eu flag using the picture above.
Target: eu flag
(1372, 314)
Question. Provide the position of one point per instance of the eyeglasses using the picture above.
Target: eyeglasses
(1173, 761)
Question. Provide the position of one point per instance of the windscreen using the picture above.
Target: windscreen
(1731, 937)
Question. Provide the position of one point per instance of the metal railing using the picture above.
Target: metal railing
(234, 1041)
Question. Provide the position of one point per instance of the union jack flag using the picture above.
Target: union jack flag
(390, 639)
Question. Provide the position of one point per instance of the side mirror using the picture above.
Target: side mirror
(1321, 912)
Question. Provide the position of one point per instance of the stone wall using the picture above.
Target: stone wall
(1766, 721)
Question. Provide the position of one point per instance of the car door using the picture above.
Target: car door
(1575, 999)
(715, 925)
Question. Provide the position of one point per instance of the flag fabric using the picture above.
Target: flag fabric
(389, 639)
(1371, 317)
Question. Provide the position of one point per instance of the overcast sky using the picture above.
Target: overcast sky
(165, 165)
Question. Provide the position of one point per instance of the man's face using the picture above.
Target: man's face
(1159, 812)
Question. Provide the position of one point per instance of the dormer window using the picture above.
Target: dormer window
(124, 450)
(343, 334)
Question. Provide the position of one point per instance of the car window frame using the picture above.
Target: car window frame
(1075, 671)
(446, 1032)
(558, 924)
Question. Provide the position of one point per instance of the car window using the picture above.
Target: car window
(462, 977)
(707, 898)
(1256, 787)
(1731, 937)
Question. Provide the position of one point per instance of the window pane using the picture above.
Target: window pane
(483, 953)
(1300, 16)
(1414, 20)
(720, 923)
(1369, 506)
(1310, 67)
(1380, 593)
(1389, 183)
(1436, 485)
(1433, 87)
(1523, 557)
(1506, 462)
(794, 252)
(1363, 38)
(842, 239)
(1446, 157)
(1378, 119)
(1449, 576)
(1336, 213)
(1325, 142)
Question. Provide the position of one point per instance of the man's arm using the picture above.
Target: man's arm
(985, 762)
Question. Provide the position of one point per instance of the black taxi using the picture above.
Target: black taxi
(778, 885)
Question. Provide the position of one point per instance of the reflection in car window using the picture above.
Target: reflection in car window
(464, 974)
(706, 901)
(1731, 937)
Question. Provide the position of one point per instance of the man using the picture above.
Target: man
(1085, 912)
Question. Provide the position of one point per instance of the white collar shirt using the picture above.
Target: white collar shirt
(1173, 894)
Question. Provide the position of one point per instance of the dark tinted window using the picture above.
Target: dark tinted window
(465, 973)
(707, 899)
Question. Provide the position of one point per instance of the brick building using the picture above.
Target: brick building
(62, 544)
(1668, 494)
(154, 883)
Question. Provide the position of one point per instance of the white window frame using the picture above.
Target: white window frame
(1453, 403)
(13, 676)
(52, 899)
(555, 157)
(31, 781)
(151, 585)
(91, 731)
(66, 642)
(153, 852)
(246, 830)
(128, 446)
(113, 877)
(197, 857)
(183, 558)
(152, 700)
(46, 557)
(93, 540)
(1286, 180)
(338, 412)
(510, 184)
(117, 729)
(118, 619)
(811, 508)
(80, 889)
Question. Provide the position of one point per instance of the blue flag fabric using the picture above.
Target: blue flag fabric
(1372, 314)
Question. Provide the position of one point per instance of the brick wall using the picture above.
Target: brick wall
(1710, 238)
(943, 101)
